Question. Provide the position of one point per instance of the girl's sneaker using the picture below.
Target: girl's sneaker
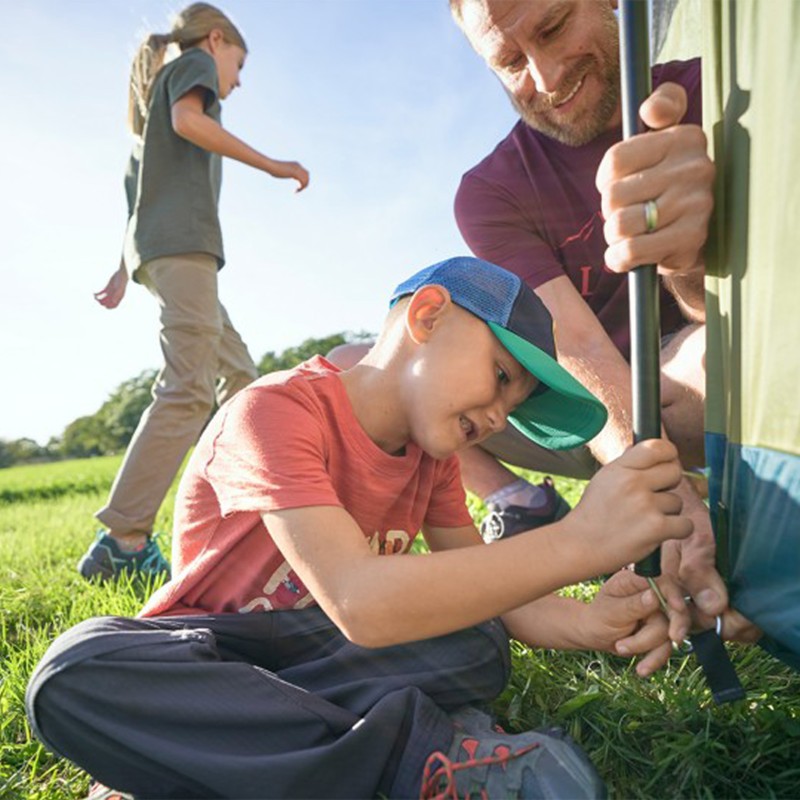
(104, 560)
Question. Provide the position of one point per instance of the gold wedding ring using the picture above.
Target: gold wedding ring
(650, 216)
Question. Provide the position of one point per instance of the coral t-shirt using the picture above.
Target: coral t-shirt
(290, 440)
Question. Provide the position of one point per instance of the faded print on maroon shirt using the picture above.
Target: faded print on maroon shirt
(532, 207)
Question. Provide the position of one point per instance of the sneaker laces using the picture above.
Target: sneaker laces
(439, 766)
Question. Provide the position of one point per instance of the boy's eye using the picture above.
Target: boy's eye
(502, 376)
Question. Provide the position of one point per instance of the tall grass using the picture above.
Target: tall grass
(656, 738)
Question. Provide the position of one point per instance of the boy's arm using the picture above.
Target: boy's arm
(624, 617)
(381, 600)
(190, 122)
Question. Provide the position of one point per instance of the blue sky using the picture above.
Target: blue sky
(382, 100)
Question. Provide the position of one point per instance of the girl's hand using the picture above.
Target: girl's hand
(110, 296)
(625, 618)
(294, 170)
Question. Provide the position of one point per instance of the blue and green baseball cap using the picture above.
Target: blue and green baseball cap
(560, 413)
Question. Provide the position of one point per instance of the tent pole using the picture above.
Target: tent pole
(643, 284)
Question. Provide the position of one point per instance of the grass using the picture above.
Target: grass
(656, 738)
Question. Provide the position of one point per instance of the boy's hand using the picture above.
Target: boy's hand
(625, 618)
(628, 509)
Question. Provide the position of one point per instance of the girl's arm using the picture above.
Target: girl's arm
(191, 123)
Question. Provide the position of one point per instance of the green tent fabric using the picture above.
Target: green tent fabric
(751, 74)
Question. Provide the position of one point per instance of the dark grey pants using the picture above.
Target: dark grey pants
(258, 705)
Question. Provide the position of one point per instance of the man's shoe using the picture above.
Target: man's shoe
(485, 763)
(104, 560)
(500, 523)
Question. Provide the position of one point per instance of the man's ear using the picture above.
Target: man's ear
(425, 310)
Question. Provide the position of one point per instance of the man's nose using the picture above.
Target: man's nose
(545, 69)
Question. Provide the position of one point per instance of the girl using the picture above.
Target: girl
(173, 246)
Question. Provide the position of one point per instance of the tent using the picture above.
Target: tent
(751, 71)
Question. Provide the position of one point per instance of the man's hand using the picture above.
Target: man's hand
(110, 296)
(668, 165)
(625, 618)
(691, 562)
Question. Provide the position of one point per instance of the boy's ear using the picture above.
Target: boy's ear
(425, 310)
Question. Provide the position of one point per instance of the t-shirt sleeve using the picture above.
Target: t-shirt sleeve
(497, 230)
(688, 74)
(191, 71)
(269, 453)
(448, 504)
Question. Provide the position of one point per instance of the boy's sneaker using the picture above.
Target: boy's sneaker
(500, 523)
(99, 792)
(105, 560)
(486, 763)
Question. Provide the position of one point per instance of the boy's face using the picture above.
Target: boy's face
(463, 385)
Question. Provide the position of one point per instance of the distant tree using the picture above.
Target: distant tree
(83, 437)
(292, 356)
(6, 456)
(121, 412)
(109, 429)
(22, 451)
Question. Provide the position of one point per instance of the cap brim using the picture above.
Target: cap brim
(563, 416)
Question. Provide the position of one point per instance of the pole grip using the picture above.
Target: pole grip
(643, 284)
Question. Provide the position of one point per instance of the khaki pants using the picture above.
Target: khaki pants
(205, 360)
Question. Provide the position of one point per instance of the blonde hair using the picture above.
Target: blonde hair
(189, 28)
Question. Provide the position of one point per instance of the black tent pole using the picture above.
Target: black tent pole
(643, 292)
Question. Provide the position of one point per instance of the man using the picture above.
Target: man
(544, 204)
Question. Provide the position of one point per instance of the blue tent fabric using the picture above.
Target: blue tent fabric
(754, 495)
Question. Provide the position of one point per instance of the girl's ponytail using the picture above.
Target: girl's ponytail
(147, 62)
(191, 26)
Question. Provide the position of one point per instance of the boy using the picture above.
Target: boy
(365, 675)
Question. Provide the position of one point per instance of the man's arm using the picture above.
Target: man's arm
(585, 349)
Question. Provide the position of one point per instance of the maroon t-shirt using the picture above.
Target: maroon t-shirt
(532, 207)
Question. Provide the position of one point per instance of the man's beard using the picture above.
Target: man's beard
(592, 122)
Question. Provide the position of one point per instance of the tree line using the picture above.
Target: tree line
(111, 427)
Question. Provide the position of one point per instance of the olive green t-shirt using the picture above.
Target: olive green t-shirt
(172, 185)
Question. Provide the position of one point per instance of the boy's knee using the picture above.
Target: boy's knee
(45, 703)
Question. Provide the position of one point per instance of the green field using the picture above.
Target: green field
(657, 738)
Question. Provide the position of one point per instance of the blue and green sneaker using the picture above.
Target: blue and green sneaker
(104, 560)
